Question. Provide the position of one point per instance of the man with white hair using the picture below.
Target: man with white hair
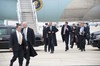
(30, 40)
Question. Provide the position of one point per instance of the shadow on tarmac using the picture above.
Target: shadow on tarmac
(94, 49)
(5, 51)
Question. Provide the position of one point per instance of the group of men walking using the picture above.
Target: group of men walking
(22, 39)
(21, 42)
(77, 34)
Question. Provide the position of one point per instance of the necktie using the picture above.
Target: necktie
(20, 38)
(50, 28)
(25, 34)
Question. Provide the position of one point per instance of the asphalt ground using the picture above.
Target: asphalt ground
(72, 57)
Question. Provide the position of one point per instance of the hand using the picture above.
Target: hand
(53, 32)
(26, 47)
(10, 49)
(49, 32)
(75, 36)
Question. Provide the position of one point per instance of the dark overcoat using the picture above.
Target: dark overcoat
(45, 35)
(87, 32)
(73, 35)
(30, 41)
(66, 33)
(52, 34)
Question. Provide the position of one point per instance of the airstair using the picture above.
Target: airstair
(27, 12)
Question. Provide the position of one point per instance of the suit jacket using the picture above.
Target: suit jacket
(14, 42)
(31, 41)
(73, 35)
(30, 35)
(78, 31)
(67, 32)
(52, 34)
(73, 31)
(45, 34)
(87, 32)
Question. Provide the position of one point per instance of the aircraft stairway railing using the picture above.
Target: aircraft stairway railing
(27, 12)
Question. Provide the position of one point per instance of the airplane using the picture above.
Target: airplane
(55, 10)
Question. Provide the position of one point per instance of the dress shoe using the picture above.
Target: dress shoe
(84, 50)
(11, 64)
(66, 49)
(45, 50)
(52, 52)
(71, 47)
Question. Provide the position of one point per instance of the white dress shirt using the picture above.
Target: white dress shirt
(50, 28)
(25, 33)
(65, 28)
(19, 37)
(81, 30)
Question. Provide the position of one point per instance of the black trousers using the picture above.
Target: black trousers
(27, 55)
(72, 41)
(88, 38)
(82, 42)
(18, 54)
(78, 41)
(66, 42)
(51, 45)
(46, 43)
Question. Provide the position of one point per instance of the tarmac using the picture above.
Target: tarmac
(72, 57)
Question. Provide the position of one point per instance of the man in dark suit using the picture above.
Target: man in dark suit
(51, 30)
(87, 32)
(82, 36)
(17, 45)
(30, 40)
(65, 31)
(77, 33)
(73, 35)
(45, 36)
